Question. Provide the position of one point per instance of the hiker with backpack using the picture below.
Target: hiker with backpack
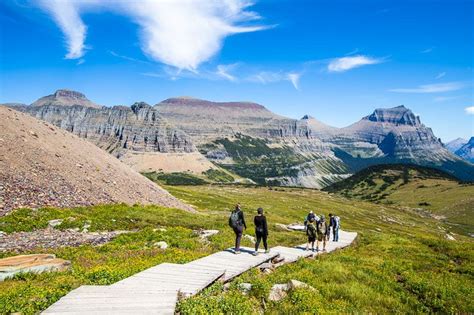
(310, 216)
(334, 223)
(261, 230)
(237, 223)
(322, 231)
(311, 232)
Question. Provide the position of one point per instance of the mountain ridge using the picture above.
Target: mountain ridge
(229, 133)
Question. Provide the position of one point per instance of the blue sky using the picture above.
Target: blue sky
(335, 60)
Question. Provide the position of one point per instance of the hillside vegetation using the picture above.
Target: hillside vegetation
(401, 261)
(428, 191)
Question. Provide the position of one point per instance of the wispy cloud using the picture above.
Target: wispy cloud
(66, 15)
(432, 88)
(347, 63)
(113, 53)
(440, 75)
(427, 50)
(469, 110)
(294, 79)
(445, 98)
(179, 33)
(265, 77)
(223, 71)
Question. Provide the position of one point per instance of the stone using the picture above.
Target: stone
(295, 284)
(206, 233)
(36, 263)
(161, 245)
(450, 237)
(245, 287)
(266, 266)
(54, 223)
(278, 292)
(296, 227)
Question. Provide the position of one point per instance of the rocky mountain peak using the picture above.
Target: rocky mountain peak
(399, 115)
(306, 117)
(65, 97)
(195, 102)
(139, 105)
(69, 93)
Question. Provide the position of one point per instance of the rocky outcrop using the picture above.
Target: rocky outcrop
(117, 129)
(65, 98)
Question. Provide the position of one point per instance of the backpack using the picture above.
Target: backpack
(234, 220)
(311, 230)
(322, 228)
(336, 221)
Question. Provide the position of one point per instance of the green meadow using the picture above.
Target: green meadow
(401, 261)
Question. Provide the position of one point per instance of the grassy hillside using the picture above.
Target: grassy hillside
(401, 261)
(429, 191)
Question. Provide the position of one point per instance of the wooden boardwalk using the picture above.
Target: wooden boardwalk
(156, 290)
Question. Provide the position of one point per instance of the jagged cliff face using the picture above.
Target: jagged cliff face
(117, 129)
(65, 98)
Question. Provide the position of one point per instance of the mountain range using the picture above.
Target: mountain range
(462, 148)
(247, 140)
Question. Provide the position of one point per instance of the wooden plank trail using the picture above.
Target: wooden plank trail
(156, 289)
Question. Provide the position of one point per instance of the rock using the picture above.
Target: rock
(266, 266)
(54, 223)
(296, 227)
(36, 263)
(278, 292)
(226, 286)
(450, 237)
(295, 284)
(250, 238)
(278, 259)
(245, 287)
(161, 245)
(206, 233)
(3, 233)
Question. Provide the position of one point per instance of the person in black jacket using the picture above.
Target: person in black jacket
(237, 223)
(261, 230)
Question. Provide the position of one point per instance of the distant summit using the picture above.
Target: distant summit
(467, 151)
(455, 144)
(399, 115)
(195, 102)
(65, 98)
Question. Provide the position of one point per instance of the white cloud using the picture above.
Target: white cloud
(445, 98)
(432, 88)
(347, 63)
(224, 71)
(469, 110)
(440, 75)
(179, 33)
(265, 77)
(66, 15)
(294, 79)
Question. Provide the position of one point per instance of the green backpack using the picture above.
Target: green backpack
(311, 230)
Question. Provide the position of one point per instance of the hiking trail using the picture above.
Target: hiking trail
(156, 290)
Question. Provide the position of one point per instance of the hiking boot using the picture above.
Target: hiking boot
(255, 253)
(237, 252)
(267, 251)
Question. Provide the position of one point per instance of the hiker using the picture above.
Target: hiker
(311, 232)
(322, 230)
(310, 216)
(237, 223)
(261, 230)
(334, 224)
